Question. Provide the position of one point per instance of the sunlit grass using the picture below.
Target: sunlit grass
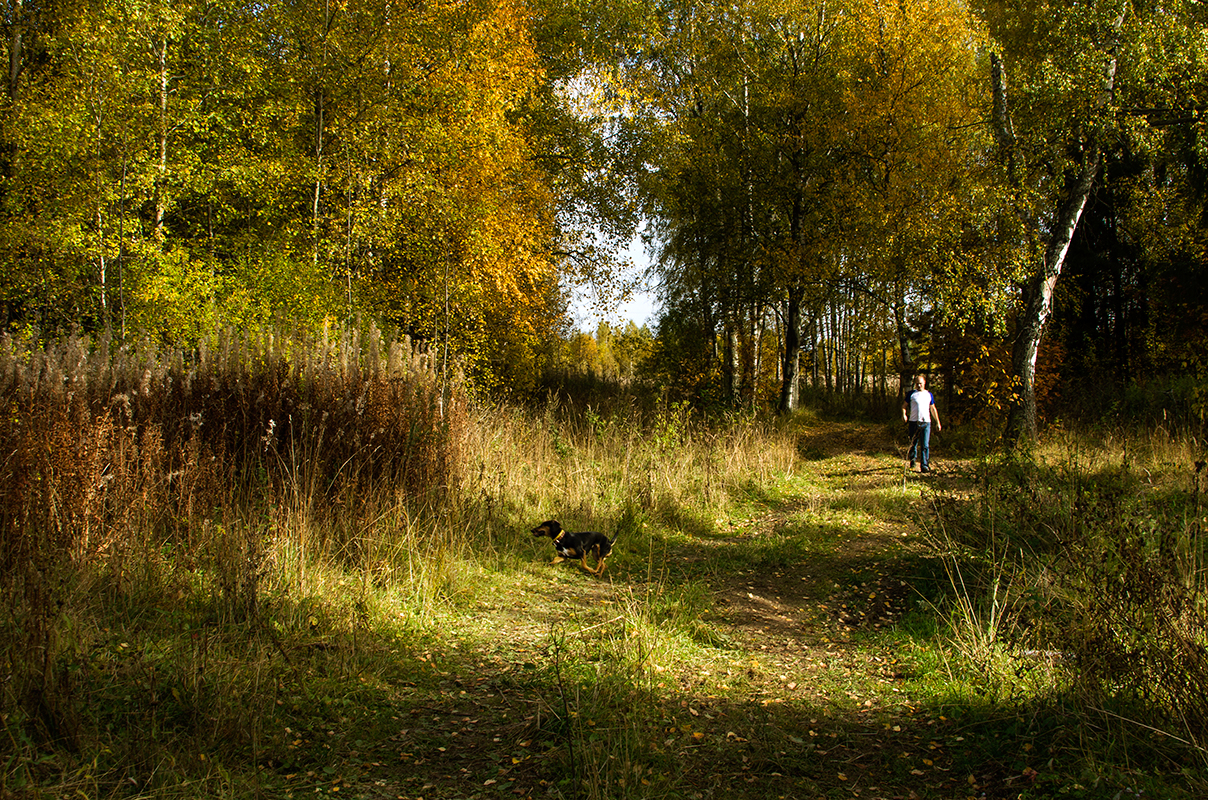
(247, 629)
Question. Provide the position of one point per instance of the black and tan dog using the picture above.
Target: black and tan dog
(576, 545)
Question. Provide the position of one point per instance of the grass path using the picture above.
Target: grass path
(785, 650)
(791, 676)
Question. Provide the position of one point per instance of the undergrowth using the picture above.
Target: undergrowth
(186, 535)
(276, 566)
(1079, 582)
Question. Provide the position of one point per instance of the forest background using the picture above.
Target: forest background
(834, 194)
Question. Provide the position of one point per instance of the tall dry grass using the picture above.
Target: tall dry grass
(170, 518)
(152, 472)
(604, 467)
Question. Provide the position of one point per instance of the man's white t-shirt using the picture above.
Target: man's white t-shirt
(921, 402)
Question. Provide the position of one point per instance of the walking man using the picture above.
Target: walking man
(918, 411)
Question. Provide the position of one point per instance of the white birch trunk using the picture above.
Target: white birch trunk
(162, 166)
(1037, 299)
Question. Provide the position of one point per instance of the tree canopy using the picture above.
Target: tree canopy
(838, 192)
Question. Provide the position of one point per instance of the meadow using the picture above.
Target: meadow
(288, 567)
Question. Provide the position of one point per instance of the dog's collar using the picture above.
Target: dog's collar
(558, 538)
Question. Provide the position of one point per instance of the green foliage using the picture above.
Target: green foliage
(615, 355)
(1088, 564)
(171, 170)
(812, 183)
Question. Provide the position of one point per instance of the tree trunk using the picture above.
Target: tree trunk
(16, 47)
(814, 348)
(320, 111)
(757, 329)
(1037, 304)
(1037, 298)
(792, 346)
(320, 101)
(161, 170)
(102, 265)
(730, 369)
(906, 361)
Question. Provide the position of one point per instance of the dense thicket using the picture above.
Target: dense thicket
(1130, 322)
(129, 467)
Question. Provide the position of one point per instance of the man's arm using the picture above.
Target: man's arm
(935, 416)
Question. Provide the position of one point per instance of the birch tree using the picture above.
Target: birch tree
(1072, 83)
(1072, 93)
(819, 139)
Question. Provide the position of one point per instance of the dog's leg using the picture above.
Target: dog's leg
(583, 564)
(557, 560)
(600, 565)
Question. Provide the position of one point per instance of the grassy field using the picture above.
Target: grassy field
(272, 571)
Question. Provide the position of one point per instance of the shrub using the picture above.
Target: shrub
(1101, 567)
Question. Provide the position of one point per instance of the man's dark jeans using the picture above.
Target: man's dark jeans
(920, 444)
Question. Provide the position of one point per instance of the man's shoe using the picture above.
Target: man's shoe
(912, 465)
(925, 469)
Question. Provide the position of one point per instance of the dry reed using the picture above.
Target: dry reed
(129, 470)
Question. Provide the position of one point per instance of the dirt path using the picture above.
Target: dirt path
(805, 691)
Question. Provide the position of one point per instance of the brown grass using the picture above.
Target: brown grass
(133, 470)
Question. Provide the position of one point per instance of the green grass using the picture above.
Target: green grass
(782, 617)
